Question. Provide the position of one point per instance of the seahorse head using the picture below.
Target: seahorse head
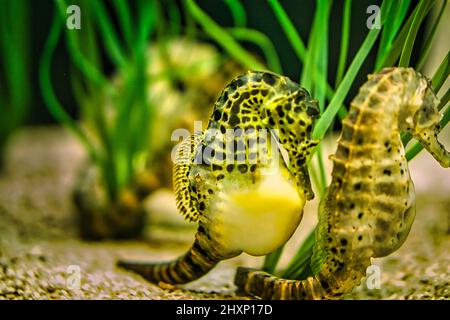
(293, 116)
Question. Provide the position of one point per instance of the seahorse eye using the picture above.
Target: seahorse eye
(300, 95)
(311, 111)
(312, 108)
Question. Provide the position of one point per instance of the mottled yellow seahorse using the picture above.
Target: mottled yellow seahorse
(368, 208)
(245, 186)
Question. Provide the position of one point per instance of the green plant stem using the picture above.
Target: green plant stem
(15, 91)
(142, 122)
(321, 60)
(261, 40)
(123, 13)
(271, 260)
(301, 259)
(46, 87)
(289, 29)
(442, 73)
(88, 69)
(315, 178)
(238, 13)
(397, 47)
(223, 38)
(344, 42)
(298, 45)
(393, 23)
(146, 24)
(132, 114)
(323, 175)
(444, 100)
(307, 78)
(327, 117)
(174, 18)
(113, 47)
(412, 34)
(430, 38)
(191, 30)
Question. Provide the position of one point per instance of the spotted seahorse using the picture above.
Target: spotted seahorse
(244, 180)
(368, 208)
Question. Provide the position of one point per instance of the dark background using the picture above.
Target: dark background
(259, 16)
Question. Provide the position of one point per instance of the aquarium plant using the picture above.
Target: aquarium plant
(107, 197)
(15, 75)
(163, 77)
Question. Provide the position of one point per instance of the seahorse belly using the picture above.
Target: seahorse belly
(259, 219)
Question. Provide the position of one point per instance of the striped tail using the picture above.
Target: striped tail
(189, 267)
(266, 286)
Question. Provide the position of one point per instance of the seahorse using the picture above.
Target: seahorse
(368, 208)
(245, 179)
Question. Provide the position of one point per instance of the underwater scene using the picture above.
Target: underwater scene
(224, 150)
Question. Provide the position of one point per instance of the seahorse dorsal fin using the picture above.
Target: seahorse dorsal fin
(186, 204)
